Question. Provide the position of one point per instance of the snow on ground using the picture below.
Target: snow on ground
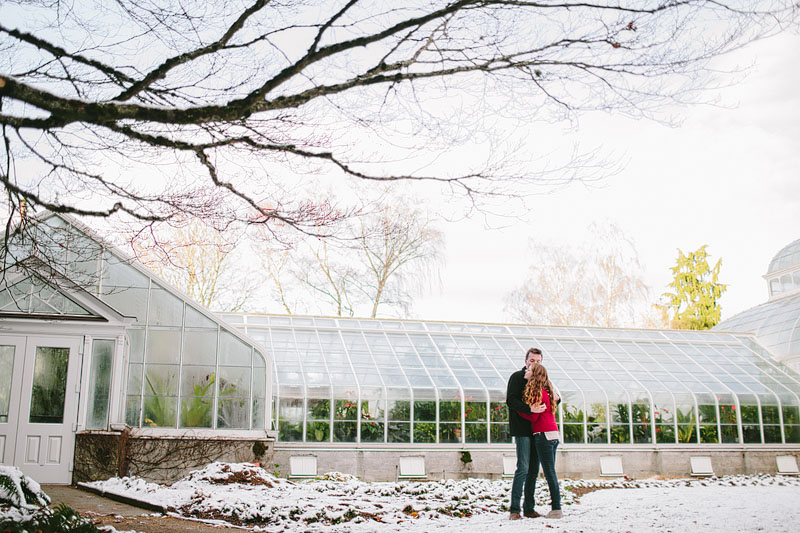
(246, 495)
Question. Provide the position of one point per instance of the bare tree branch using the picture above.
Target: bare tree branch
(255, 93)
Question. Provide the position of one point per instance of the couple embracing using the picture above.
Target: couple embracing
(531, 404)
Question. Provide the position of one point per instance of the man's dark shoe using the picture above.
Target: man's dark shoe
(514, 516)
(532, 514)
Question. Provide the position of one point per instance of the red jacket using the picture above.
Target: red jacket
(544, 421)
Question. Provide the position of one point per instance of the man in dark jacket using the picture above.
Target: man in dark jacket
(520, 428)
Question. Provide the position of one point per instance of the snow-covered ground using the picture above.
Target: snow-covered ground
(249, 496)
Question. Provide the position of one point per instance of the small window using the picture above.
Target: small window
(774, 287)
(302, 466)
(787, 465)
(411, 467)
(786, 283)
(701, 466)
(509, 465)
(611, 465)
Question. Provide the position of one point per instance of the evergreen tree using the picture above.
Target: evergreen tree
(694, 302)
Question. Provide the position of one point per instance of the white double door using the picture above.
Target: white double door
(39, 390)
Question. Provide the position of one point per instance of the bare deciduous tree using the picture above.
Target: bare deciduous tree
(218, 109)
(197, 259)
(599, 283)
(381, 261)
(402, 251)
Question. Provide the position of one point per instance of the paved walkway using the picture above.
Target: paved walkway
(124, 517)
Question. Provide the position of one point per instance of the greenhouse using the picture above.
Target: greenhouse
(776, 323)
(92, 341)
(105, 369)
(386, 381)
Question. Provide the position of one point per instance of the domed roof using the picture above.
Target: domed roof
(788, 256)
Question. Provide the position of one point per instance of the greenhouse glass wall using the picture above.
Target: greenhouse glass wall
(342, 380)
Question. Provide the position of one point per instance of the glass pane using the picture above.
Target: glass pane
(318, 432)
(596, 433)
(424, 432)
(475, 411)
(372, 431)
(476, 432)
(751, 433)
(163, 345)
(160, 411)
(259, 382)
(234, 381)
(259, 412)
(425, 411)
(161, 380)
(772, 434)
(449, 412)
(100, 384)
(791, 415)
(750, 414)
(196, 319)
(573, 433)
(665, 434)
(399, 410)
(499, 433)
(290, 431)
(345, 410)
(196, 412)
(344, 431)
(233, 413)
(233, 351)
(136, 337)
(127, 301)
(197, 381)
(499, 412)
(620, 433)
(134, 386)
(318, 409)
(770, 414)
(399, 431)
(125, 288)
(290, 409)
(49, 385)
(6, 373)
(199, 346)
(708, 433)
(450, 432)
(133, 405)
(165, 309)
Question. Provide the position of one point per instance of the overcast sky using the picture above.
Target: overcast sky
(728, 177)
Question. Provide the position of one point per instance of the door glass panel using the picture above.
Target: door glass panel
(6, 372)
(49, 385)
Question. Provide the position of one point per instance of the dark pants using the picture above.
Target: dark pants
(524, 475)
(544, 452)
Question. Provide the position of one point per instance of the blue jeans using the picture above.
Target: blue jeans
(524, 475)
(544, 453)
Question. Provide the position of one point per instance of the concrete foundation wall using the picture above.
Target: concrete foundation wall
(100, 455)
(371, 464)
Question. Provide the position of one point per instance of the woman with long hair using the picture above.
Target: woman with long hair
(538, 391)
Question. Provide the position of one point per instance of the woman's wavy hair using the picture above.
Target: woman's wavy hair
(539, 380)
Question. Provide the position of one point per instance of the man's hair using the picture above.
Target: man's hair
(533, 350)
